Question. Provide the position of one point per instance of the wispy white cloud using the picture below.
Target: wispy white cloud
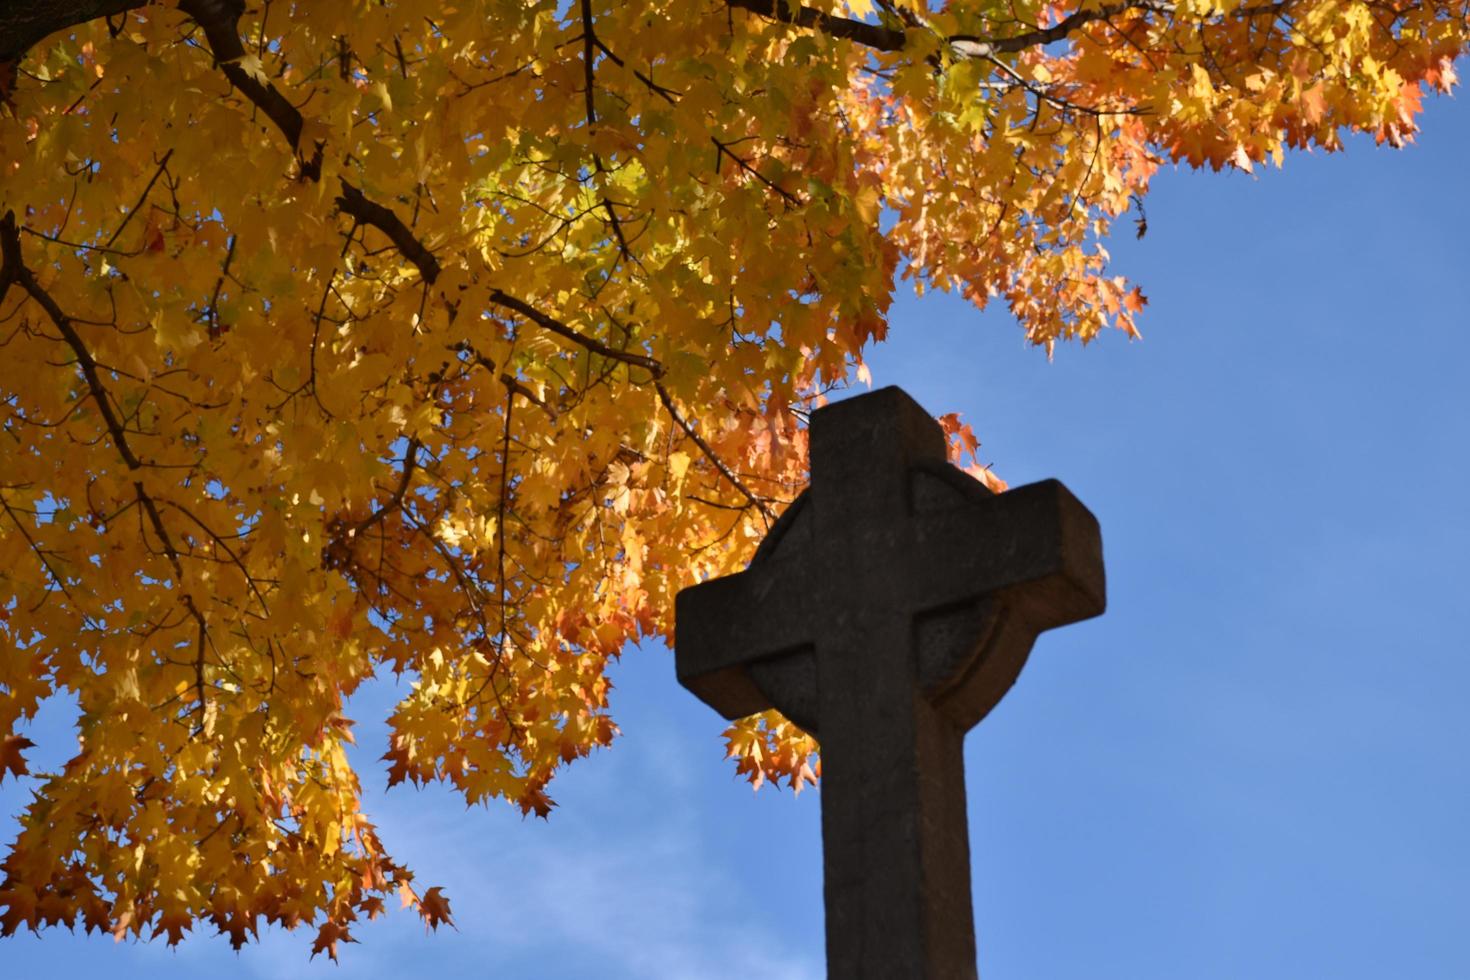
(628, 878)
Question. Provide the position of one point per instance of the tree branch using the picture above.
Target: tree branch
(501, 298)
(142, 199)
(881, 38)
(395, 501)
(970, 46)
(23, 23)
(711, 455)
(220, 21)
(13, 270)
(354, 203)
(723, 150)
(870, 35)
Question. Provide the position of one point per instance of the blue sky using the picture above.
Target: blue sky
(1252, 766)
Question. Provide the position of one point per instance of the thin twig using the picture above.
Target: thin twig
(143, 197)
(711, 455)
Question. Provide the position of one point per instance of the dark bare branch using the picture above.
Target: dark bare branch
(355, 204)
(503, 299)
(220, 21)
(870, 35)
(979, 47)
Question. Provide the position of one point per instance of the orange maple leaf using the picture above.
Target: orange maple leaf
(339, 626)
(20, 910)
(536, 799)
(1314, 103)
(962, 439)
(992, 482)
(175, 924)
(10, 755)
(328, 936)
(434, 907)
(399, 770)
(234, 925)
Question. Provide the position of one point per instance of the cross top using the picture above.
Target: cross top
(888, 610)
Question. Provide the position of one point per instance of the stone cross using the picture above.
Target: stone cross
(887, 611)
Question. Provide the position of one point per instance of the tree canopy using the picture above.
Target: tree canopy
(450, 340)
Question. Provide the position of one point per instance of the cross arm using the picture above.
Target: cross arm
(1037, 548)
(1002, 569)
(727, 624)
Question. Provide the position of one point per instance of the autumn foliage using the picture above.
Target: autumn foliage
(348, 339)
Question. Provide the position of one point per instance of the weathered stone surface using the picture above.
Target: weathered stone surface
(888, 610)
